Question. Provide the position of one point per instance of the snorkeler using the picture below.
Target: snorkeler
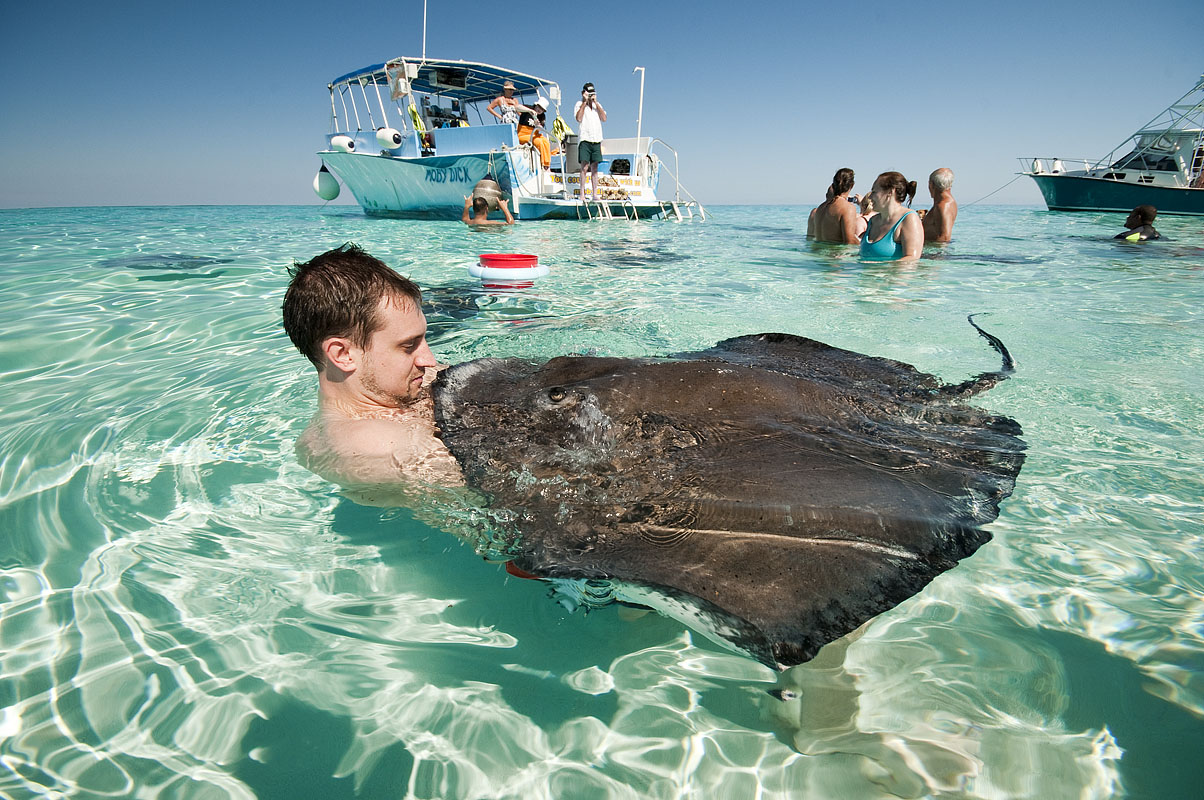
(1140, 224)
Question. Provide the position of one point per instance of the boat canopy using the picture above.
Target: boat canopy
(465, 81)
(1173, 141)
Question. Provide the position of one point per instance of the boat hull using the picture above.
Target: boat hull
(434, 187)
(1080, 193)
(415, 187)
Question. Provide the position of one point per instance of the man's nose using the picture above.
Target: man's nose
(425, 358)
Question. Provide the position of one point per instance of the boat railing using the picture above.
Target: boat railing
(1056, 166)
(1188, 176)
(678, 205)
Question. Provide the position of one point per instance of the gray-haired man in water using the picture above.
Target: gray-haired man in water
(361, 325)
(938, 222)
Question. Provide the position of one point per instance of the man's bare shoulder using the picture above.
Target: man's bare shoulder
(377, 450)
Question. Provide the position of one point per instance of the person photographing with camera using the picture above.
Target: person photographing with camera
(590, 115)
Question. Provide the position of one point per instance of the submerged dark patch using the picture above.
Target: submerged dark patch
(786, 490)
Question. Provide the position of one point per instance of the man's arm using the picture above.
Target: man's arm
(467, 205)
(579, 111)
(811, 224)
(504, 205)
(938, 223)
(601, 110)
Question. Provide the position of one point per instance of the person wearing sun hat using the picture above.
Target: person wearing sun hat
(508, 103)
(529, 125)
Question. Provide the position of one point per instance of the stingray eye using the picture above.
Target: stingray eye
(556, 394)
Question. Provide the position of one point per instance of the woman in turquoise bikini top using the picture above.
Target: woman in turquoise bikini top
(890, 190)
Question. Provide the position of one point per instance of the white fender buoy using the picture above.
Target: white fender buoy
(1036, 167)
(326, 185)
(507, 270)
(389, 138)
(490, 189)
(1057, 167)
(344, 143)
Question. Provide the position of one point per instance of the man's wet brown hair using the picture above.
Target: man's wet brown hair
(337, 294)
(1146, 214)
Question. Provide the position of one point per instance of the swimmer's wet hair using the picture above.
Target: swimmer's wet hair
(942, 179)
(904, 190)
(1147, 213)
(337, 294)
(843, 180)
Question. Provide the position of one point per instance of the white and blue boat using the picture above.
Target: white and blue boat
(412, 137)
(1161, 164)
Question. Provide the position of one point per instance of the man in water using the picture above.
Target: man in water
(1140, 224)
(938, 222)
(835, 220)
(479, 208)
(361, 325)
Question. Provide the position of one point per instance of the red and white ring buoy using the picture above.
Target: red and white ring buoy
(507, 270)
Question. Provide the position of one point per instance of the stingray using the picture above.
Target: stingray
(774, 492)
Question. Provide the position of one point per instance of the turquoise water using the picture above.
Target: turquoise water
(185, 612)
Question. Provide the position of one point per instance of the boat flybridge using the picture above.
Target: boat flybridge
(1162, 165)
(413, 137)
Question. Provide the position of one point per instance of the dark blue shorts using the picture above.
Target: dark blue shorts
(589, 152)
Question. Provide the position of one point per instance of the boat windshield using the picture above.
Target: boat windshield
(1153, 162)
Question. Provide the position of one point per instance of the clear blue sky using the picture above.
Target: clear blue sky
(131, 103)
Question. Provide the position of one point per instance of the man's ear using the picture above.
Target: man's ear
(341, 353)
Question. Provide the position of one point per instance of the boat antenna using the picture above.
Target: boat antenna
(423, 31)
(639, 115)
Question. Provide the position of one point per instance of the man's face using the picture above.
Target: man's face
(393, 364)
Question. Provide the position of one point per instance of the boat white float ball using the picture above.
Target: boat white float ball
(507, 270)
(326, 185)
(388, 138)
(344, 143)
(490, 189)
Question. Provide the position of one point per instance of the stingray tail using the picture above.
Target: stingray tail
(980, 383)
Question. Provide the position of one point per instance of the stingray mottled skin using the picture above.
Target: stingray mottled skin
(786, 489)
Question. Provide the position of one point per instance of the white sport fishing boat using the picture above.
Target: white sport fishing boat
(1161, 164)
(412, 137)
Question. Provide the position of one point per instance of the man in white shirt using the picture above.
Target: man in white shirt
(590, 116)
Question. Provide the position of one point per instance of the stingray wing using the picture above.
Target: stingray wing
(789, 504)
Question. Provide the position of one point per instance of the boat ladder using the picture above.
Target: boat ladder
(676, 207)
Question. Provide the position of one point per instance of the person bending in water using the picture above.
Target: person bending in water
(361, 325)
(479, 209)
(1140, 224)
(938, 222)
(835, 220)
(895, 232)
